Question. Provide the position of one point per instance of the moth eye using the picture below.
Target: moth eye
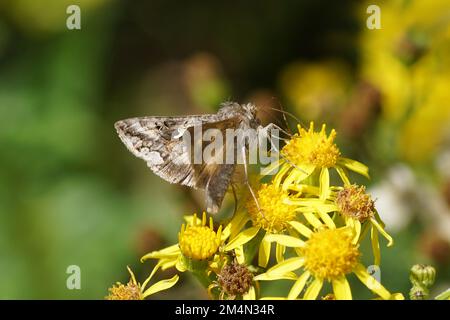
(168, 123)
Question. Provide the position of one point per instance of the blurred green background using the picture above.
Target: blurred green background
(70, 192)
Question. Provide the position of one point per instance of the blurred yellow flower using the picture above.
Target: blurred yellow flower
(408, 60)
(315, 90)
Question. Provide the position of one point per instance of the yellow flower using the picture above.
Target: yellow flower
(133, 290)
(197, 243)
(312, 148)
(329, 254)
(275, 213)
(354, 205)
(309, 152)
(271, 218)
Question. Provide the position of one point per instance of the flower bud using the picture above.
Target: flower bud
(422, 275)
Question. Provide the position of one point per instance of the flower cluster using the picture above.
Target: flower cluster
(315, 227)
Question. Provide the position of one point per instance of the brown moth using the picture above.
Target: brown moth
(159, 141)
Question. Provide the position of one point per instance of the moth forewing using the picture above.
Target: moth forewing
(162, 143)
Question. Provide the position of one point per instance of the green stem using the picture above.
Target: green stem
(251, 248)
(203, 278)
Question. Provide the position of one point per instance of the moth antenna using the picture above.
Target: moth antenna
(249, 186)
(284, 116)
(287, 113)
(281, 129)
(277, 126)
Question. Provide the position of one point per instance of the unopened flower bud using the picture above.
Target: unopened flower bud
(422, 275)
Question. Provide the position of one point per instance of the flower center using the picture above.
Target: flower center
(330, 253)
(235, 279)
(312, 148)
(120, 291)
(275, 214)
(199, 242)
(354, 202)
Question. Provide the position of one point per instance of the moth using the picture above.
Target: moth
(158, 141)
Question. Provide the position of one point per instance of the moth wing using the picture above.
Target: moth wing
(217, 186)
(159, 142)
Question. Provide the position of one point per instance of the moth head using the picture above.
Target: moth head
(250, 113)
(250, 109)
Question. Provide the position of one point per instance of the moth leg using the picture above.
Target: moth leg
(285, 120)
(247, 183)
(235, 199)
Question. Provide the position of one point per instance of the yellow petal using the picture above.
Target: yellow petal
(398, 296)
(325, 208)
(301, 228)
(341, 288)
(313, 290)
(240, 256)
(285, 240)
(355, 166)
(343, 175)
(305, 189)
(443, 295)
(370, 282)
(287, 265)
(357, 229)
(304, 202)
(237, 223)
(298, 285)
(250, 295)
(326, 218)
(312, 219)
(242, 238)
(324, 183)
(160, 286)
(279, 252)
(264, 253)
(166, 264)
(383, 232)
(168, 252)
(151, 274)
(375, 245)
(298, 174)
(133, 278)
(270, 277)
(280, 175)
(272, 168)
(225, 233)
(180, 266)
